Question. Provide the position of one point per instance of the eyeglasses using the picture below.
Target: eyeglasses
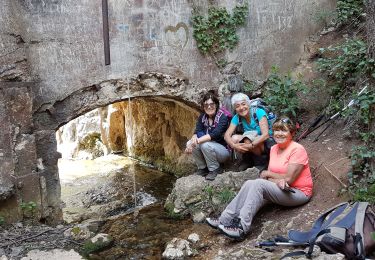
(208, 105)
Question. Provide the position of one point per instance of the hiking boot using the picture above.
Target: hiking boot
(234, 230)
(202, 172)
(213, 222)
(212, 174)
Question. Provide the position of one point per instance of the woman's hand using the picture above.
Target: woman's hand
(264, 174)
(241, 147)
(282, 184)
(194, 140)
(189, 149)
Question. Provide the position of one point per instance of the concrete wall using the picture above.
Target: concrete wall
(58, 45)
(65, 46)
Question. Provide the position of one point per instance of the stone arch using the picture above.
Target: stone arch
(49, 117)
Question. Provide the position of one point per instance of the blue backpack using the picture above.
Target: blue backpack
(260, 103)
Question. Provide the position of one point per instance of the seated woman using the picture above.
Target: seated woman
(207, 144)
(255, 152)
(287, 182)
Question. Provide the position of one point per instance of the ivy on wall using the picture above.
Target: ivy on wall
(217, 31)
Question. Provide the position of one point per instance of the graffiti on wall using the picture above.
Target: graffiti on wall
(177, 36)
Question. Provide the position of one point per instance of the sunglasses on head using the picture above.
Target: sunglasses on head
(286, 121)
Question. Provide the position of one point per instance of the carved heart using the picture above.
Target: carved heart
(177, 36)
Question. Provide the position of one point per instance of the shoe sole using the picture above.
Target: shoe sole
(242, 238)
(215, 227)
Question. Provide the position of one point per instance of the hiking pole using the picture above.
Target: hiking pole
(315, 125)
(273, 243)
(310, 128)
(352, 102)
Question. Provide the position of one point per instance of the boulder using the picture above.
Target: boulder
(52, 254)
(193, 195)
(177, 249)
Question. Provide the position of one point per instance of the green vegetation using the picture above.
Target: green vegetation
(76, 230)
(346, 62)
(217, 198)
(216, 32)
(281, 93)
(2, 220)
(349, 11)
(366, 195)
(169, 207)
(348, 69)
(226, 195)
(344, 65)
(28, 209)
(91, 247)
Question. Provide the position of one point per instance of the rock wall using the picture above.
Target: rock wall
(23, 177)
(150, 129)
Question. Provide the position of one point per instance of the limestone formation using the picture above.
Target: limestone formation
(193, 194)
(155, 130)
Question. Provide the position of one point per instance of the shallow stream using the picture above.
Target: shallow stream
(104, 189)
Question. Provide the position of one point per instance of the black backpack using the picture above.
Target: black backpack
(347, 228)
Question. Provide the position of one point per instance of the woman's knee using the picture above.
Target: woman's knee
(261, 183)
(236, 138)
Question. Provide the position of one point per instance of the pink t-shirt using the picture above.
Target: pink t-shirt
(295, 154)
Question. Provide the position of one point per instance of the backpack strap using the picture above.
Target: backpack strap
(319, 224)
(360, 217)
(253, 112)
(217, 117)
(359, 224)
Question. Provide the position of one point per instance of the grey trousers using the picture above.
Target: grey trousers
(210, 154)
(253, 195)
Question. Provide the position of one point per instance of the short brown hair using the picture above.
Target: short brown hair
(284, 124)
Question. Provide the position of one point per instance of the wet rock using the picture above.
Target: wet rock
(97, 243)
(193, 194)
(79, 232)
(7, 189)
(177, 249)
(93, 225)
(193, 238)
(16, 251)
(53, 254)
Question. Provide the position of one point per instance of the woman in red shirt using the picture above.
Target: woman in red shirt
(287, 182)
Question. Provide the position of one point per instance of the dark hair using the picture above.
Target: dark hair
(213, 96)
(284, 124)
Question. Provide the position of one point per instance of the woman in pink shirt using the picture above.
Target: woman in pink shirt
(287, 182)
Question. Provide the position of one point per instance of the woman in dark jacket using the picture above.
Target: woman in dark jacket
(207, 144)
